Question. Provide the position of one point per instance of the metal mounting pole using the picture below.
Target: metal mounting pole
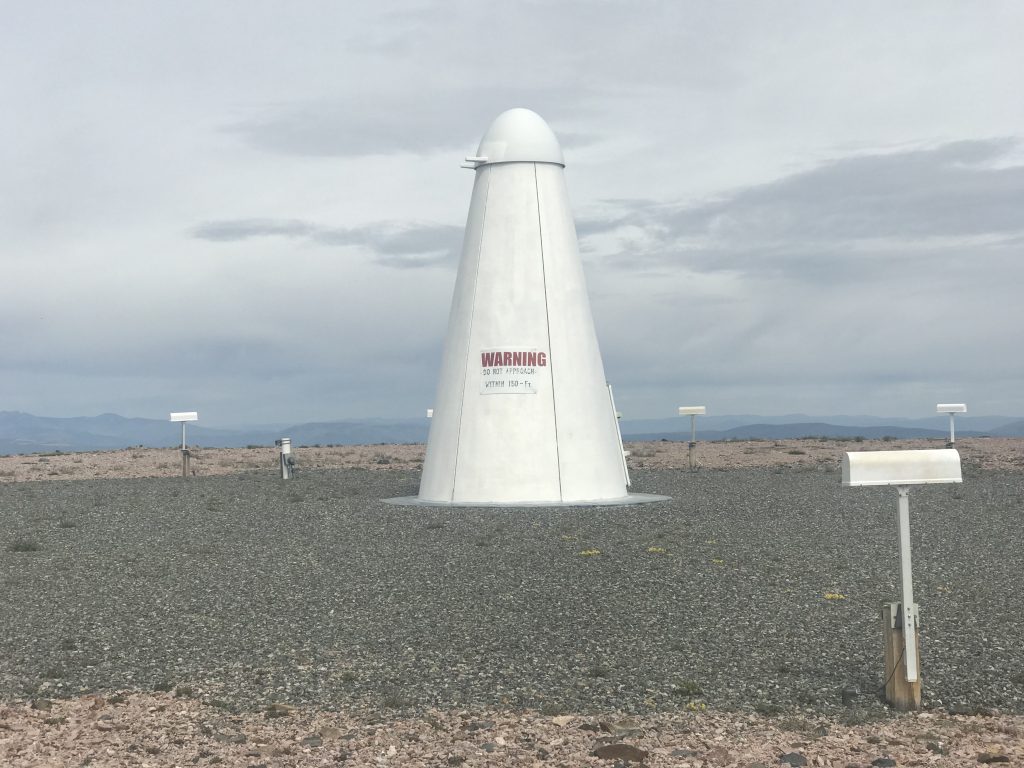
(952, 433)
(184, 452)
(693, 440)
(908, 608)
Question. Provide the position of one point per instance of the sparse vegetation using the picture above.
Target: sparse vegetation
(552, 709)
(688, 689)
(394, 699)
(23, 545)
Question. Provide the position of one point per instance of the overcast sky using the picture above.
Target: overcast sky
(255, 209)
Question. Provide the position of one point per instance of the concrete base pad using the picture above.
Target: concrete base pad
(633, 498)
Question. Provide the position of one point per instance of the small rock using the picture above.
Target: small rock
(329, 732)
(562, 720)
(793, 758)
(488, 746)
(620, 751)
(873, 740)
(43, 704)
(499, 741)
(313, 740)
(720, 754)
(480, 725)
(456, 760)
(621, 728)
(992, 757)
(683, 753)
(937, 747)
(230, 738)
(279, 710)
(883, 762)
(849, 696)
(392, 750)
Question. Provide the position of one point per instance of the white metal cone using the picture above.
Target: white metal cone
(523, 413)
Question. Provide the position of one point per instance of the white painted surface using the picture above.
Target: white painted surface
(908, 607)
(520, 288)
(185, 416)
(951, 408)
(692, 410)
(901, 467)
(518, 135)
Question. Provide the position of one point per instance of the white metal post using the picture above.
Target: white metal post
(286, 453)
(184, 452)
(908, 608)
(952, 434)
(693, 439)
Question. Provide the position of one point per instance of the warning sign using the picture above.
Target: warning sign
(510, 371)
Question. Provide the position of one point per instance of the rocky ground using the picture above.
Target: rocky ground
(136, 729)
(987, 453)
(235, 619)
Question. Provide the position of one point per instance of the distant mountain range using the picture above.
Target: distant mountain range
(25, 433)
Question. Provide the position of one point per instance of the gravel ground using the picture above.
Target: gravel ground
(754, 589)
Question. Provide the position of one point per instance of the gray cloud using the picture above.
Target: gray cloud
(418, 121)
(244, 229)
(897, 211)
(401, 245)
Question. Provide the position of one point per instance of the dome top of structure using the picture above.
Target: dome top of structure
(518, 136)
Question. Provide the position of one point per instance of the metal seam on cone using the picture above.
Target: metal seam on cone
(469, 338)
(547, 323)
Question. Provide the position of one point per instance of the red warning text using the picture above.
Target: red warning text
(502, 359)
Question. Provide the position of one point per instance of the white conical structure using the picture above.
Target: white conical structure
(523, 413)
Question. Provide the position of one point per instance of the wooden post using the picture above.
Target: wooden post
(902, 695)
